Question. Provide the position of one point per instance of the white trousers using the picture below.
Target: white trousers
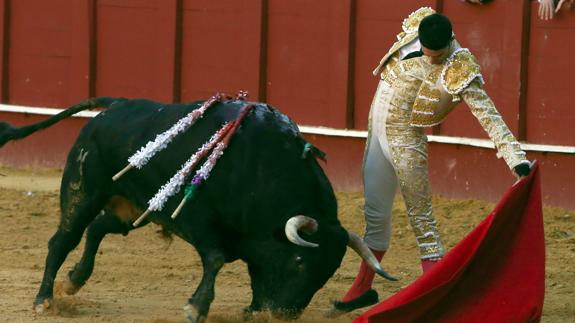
(380, 185)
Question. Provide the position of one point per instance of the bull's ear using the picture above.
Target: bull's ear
(335, 232)
(341, 233)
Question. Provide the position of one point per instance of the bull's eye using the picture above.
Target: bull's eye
(299, 264)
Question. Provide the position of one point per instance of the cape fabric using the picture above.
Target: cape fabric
(495, 274)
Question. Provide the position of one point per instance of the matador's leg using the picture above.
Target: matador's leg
(380, 184)
(410, 159)
(379, 188)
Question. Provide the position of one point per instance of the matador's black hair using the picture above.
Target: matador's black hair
(435, 31)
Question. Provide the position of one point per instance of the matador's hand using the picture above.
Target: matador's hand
(522, 169)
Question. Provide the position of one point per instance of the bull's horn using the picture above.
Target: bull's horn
(304, 223)
(359, 246)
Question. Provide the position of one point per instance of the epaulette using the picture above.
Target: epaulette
(411, 23)
(460, 69)
(409, 33)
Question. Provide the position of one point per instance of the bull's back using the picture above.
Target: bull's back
(129, 125)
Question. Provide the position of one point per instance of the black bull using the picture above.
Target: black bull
(242, 211)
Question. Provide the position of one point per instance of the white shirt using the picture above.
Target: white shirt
(412, 46)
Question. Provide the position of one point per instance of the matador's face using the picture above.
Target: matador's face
(436, 56)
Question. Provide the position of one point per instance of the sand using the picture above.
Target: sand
(143, 277)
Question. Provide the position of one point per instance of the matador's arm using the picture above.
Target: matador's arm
(484, 110)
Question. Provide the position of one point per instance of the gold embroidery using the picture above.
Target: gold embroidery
(411, 23)
(423, 118)
(484, 110)
(408, 147)
(460, 69)
(429, 92)
(427, 110)
(410, 26)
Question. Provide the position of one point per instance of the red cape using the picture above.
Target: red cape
(495, 274)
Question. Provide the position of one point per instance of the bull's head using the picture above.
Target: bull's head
(298, 268)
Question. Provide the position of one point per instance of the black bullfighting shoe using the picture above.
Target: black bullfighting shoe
(366, 299)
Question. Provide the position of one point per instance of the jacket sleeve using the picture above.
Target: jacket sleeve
(484, 110)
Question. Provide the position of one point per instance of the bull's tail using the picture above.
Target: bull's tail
(8, 132)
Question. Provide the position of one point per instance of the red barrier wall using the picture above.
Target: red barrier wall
(550, 109)
(310, 58)
(377, 24)
(493, 33)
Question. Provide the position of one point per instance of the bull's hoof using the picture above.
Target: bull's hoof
(66, 286)
(247, 314)
(366, 299)
(286, 315)
(42, 307)
(193, 315)
(251, 313)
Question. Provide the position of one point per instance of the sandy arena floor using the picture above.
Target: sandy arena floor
(145, 278)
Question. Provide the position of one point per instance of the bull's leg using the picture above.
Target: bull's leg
(82, 196)
(106, 222)
(257, 288)
(65, 239)
(198, 306)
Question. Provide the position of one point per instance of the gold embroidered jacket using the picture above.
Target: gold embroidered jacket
(445, 85)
